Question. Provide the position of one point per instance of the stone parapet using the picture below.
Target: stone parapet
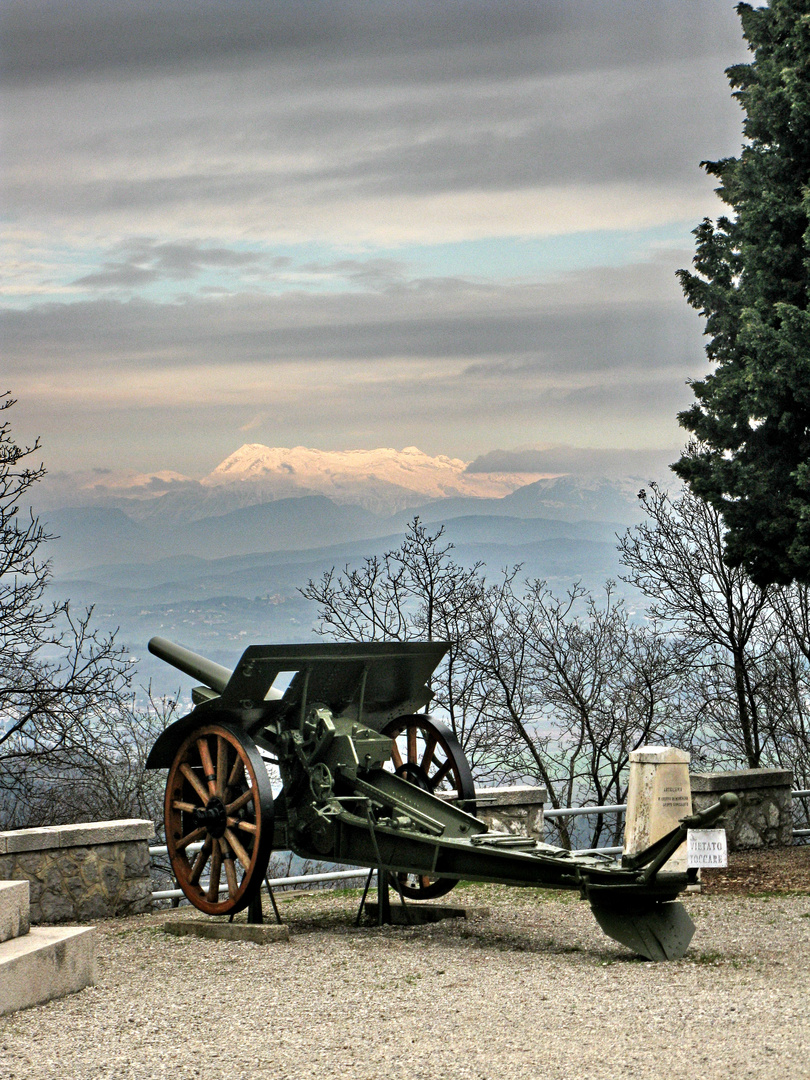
(764, 815)
(80, 873)
(84, 835)
(517, 810)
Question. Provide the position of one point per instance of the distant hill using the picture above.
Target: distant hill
(218, 566)
(94, 535)
(219, 606)
(563, 499)
(576, 498)
(213, 522)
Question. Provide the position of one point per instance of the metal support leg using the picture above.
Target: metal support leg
(363, 898)
(255, 914)
(273, 901)
(383, 898)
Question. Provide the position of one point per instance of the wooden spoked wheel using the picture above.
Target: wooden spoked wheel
(219, 794)
(426, 753)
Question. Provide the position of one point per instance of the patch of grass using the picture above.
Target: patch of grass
(342, 894)
(326, 895)
(718, 959)
(775, 894)
(554, 896)
(708, 958)
(131, 930)
(510, 894)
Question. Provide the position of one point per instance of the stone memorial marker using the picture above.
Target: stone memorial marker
(658, 796)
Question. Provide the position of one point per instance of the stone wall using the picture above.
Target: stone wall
(517, 810)
(80, 873)
(764, 816)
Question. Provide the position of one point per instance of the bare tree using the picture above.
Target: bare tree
(577, 686)
(560, 690)
(536, 688)
(55, 668)
(416, 592)
(90, 771)
(790, 693)
(676, 559)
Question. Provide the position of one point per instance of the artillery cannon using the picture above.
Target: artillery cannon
(370, 781)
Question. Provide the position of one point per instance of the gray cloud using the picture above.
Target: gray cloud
(166, 134)
(594, 323)
(255, 148)
(157, 486)
(595, 129)
(70, 39)
(374, 274)
(577, 460)
(144, 261)
(444, 366)
(481, 95)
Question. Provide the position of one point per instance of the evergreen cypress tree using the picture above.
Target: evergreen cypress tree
(751, 419)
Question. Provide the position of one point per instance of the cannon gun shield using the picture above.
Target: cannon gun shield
(375, 681)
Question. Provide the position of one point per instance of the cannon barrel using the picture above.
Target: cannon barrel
(198, 667)
(708, 816)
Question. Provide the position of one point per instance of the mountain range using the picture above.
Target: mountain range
(381, 480)
(269, 499)
(218, 563)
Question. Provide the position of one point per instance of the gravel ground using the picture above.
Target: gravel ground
(531, 989)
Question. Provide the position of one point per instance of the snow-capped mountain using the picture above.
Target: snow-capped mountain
(381, 480)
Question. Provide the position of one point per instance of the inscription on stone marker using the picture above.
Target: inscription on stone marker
(675, 798)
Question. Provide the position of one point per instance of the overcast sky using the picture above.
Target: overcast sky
(453, 224)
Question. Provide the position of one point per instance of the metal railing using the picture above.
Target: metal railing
(361, 873)
(576, 811)
(582, 811)
(804, 794)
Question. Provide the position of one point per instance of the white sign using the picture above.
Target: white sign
(706, 847)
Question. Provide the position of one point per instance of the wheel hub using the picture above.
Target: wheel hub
(212, 817)
(415, 775)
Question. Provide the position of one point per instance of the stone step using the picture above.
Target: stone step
(14, 911)
(48, 962)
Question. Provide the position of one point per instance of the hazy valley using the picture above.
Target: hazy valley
(218, 565)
